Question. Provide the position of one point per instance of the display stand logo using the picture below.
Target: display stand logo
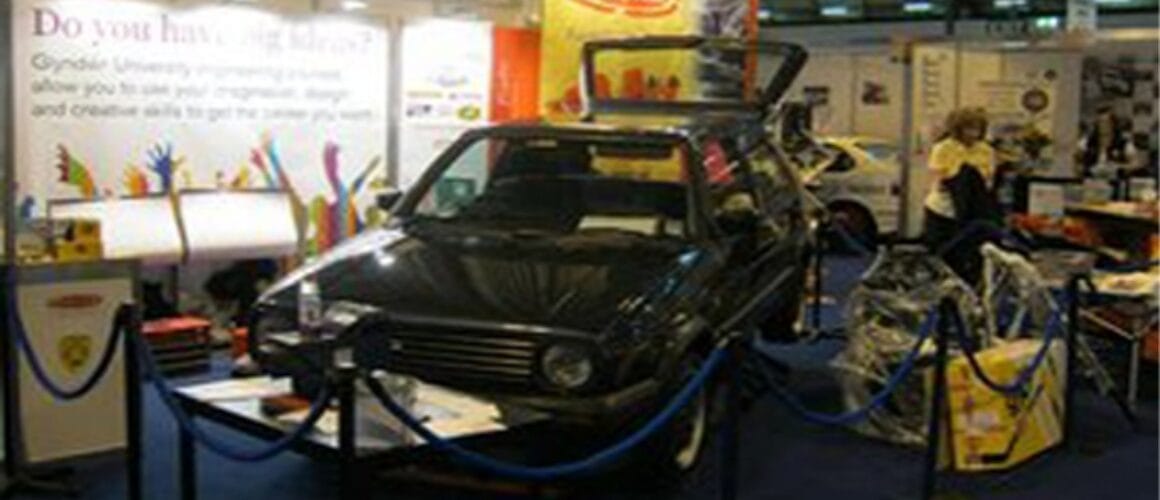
(74, 351)
(632, 8)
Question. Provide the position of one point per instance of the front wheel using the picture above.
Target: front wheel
(678, 451)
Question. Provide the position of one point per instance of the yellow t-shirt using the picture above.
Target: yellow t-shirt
(946, 158)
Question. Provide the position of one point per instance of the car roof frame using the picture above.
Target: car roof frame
(772, 92)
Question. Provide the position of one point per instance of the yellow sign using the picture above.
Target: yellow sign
(649, 75)
(74, 351)
(994, 431)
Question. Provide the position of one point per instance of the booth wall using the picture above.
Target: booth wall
(1123, 76)
(859, 92)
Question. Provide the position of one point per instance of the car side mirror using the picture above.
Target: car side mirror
(387, 199)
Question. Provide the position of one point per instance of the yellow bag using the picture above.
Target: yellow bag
(996, 431)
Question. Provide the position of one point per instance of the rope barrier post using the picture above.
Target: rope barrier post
(17, 476)
(1073, 298)
(187, 462)
(934, 419)
(816, 314)
(731, 431)
(130, 319)
(344, 378)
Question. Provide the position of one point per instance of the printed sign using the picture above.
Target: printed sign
(650, 75)
(446, 88)
(129, 98)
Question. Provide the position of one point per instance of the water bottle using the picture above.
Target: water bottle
(309, 307)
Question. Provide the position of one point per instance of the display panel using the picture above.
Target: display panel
(214, 230)
(131, 228)
(125, 98)
(446, 88)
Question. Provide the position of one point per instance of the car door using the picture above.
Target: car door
(769, 271)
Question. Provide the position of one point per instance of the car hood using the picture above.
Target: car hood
(579, 284)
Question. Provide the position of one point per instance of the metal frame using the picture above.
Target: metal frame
(768, 95)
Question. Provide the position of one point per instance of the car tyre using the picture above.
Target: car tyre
(858, 222)
(678, 456)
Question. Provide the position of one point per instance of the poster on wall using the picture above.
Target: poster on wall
(569, 23)
(934, 95)
(878, 104)
(122, 98)
(1123, 83)
(446, 88)
(1020, 112)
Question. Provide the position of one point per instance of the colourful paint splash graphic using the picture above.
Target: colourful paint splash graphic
(322, 223)
(162, 162)
(325, 220)
(74, 172)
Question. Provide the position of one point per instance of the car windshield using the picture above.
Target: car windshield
(561, 186)
(878, 151)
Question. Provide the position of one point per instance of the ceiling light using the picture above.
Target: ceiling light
(917, 7)
(1008, 4)
(1048, 23)
(835, 11)
(353, 5)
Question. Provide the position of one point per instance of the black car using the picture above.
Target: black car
(582, 270)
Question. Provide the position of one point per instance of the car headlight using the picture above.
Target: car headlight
(567, 366)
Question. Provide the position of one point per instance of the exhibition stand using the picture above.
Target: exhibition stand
(289, 143)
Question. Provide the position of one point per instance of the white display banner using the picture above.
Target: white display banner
(213, 233)
(118, 97)
(446, 88)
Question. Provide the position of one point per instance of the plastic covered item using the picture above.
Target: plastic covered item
(886, 311)
(884, 315)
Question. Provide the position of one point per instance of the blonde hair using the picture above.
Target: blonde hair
(962, 118)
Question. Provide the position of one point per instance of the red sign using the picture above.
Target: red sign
(633, 8)
(75, 301)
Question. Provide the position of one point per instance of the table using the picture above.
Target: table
(1137, 306)
(1127, 226)
(340, 437)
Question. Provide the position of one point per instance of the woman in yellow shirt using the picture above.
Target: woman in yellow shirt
(961, 193)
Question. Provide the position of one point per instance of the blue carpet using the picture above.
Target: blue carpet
(781, 456)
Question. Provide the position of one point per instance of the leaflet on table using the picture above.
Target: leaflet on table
(236, 389)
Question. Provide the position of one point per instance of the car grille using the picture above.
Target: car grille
(462, 357)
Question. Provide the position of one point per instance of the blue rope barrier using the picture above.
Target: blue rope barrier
(58, 392)
(973, 228)
(1132, 267)
(1025, 375)
(879, 399)
(317, 408)
(542, 473)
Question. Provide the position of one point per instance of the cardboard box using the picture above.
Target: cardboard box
(996, 431)
(79, 251)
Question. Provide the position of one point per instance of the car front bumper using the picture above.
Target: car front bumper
(606, 409)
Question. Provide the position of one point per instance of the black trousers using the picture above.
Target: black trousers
(962, 257)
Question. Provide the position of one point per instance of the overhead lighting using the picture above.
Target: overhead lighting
(1047, 23)
(836, 11)
(1114, 2)
(1010, 4)
(764, 14)
(353, 5)
(917, 7)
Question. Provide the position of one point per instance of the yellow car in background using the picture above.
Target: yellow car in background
(859, 179)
